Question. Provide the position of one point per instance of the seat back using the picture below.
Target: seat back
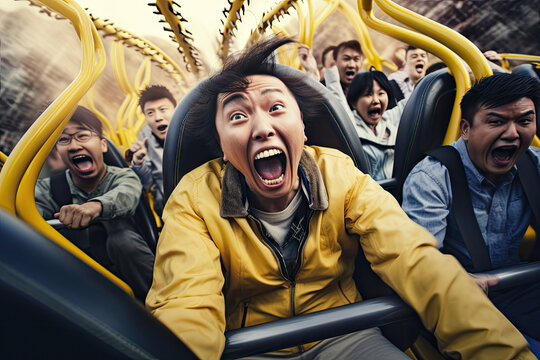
(55, 306)
(143, 217)
(423, 123)
(183, 153)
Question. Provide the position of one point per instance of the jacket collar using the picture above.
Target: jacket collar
(233, 194)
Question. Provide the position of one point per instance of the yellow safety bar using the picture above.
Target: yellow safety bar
(19, 175)
(459, 71)
(520, 57)
(3, 158)
(450, 38)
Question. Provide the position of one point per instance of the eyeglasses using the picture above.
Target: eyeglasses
(81, 136)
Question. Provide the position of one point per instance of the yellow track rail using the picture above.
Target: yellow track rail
(19, 174)
(232, 16)
(459, 71)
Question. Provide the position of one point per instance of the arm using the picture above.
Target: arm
(186, 294)
(308, 61)
(331, 78)
(427, 198)
(123, 195)
(141, 164)
(403, 254)
(44, 201)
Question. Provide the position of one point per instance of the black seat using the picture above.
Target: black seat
(143, 217)
(55, 306)
(423, 123)
(528, 69)
(183, 153)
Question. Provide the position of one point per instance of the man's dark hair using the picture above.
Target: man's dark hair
(351, 44)
(87, 119)
(362, 84)
(255, 60)
(326, 51)
(498, 90)
(435, 66)
(155, 92)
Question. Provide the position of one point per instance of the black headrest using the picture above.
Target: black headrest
(532, 70)
(423, 123)
(184, 153)
(56, 305)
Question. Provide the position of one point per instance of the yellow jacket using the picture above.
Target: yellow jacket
(213, 272)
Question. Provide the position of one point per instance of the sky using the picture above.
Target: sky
(203, 19)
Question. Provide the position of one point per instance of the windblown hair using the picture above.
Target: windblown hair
(362, 84)
(498, 90)
(155, 92)
(256, 60)
(351, 44)
(87, 119)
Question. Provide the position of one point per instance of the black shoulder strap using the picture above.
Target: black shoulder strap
(462, 207)
(530, 181)
(60, 189)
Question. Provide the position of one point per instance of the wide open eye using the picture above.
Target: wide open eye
(237, 116)
(276, 107)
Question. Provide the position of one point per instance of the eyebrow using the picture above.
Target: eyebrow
(233, 97)
(530, 112)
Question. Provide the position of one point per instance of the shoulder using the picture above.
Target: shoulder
(535, 152)
(428, 168)
(119, 173)
(209, 175)
(43, 186)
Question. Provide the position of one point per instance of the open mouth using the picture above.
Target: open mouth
(349, 74)
(83, 163)
(374, 113)
(162, 128)
(419, 68)
(270, 165)
(502, 155)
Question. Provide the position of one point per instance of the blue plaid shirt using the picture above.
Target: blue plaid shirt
(501, 209)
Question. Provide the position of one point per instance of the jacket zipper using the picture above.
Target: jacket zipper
(244, 316)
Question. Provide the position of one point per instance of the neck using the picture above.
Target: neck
(372, 127)
(87, 185)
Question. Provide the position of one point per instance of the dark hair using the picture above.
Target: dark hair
(326, 51)
(255, 60)
(351, 44)
(155, 92)
(362, 84)
(435, 66)
(498, 90)
(87, 119)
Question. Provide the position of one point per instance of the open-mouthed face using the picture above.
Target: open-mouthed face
(349, 62)
(372, 105)
(499, 136)
(83, 158)
(416, 64)
(261, 133)
(158, 114)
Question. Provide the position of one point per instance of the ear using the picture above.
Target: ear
(303, 127)
(104, 145)
(225, 157)
(465, 127)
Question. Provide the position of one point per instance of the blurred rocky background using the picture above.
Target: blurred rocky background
(40, 55)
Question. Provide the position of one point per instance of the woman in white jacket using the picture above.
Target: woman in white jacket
(370, 96)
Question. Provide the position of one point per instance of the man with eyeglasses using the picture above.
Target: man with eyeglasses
(101, 195)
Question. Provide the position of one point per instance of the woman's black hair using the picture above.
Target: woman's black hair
(362, 84)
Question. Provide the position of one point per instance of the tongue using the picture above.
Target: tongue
(85, 165)
(270, 168)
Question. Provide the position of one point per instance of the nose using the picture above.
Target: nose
(261, 128)
(510, 133)
(375, 99)
(73, 145)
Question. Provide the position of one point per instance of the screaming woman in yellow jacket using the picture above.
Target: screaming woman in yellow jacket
(215, 272)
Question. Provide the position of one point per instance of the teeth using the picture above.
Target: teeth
(267, 153)
(273, 182)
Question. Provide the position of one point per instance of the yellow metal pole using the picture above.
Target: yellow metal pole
(461, 75)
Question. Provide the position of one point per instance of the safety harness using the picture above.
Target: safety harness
(462, 203)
